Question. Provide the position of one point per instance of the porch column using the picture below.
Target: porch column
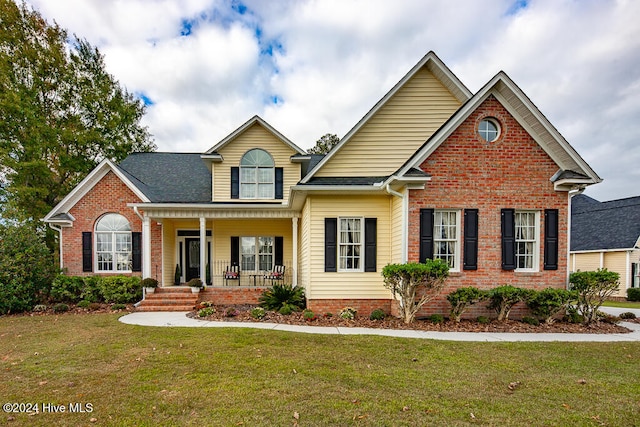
(146, 247)
(294, 222)
(203, 249)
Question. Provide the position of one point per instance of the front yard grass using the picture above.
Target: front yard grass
(622, 304)
(146, 376)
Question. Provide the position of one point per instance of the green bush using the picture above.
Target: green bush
(633, 294)
(503, 298)
(436, 318)
(377, 314)
(280, 295)
(195, 283)
(549, 302)
(84, 303)
(593, 288)
(572, 316)
(230, 312)
(462, 298)
(206, 312)
(258, 313)
(531, 321)
(120, 289)
(483, 320)
(348, 313)
(26, 268)
(60, 308)
(92, 289)
(116, 307)
(308, 315)
(66, 289)
(627, 315)
(285, 310)
(149, 282)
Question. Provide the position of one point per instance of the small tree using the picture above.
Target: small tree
(547, 303)
(324, 144)
(462, 298)
(593, 288)
(503, 298)
(415, 284)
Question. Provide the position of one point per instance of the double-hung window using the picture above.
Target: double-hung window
(350, 243)
(113, 244)
(256, 253)
(445, 237)
(257, 175)
(526, 239)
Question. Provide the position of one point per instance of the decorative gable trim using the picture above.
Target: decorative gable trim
(236, 133)
(526, 114)
(435, 66)
(85, 186)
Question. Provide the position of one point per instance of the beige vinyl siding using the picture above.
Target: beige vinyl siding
(348, 284)
(168, 252)
(254, 137)
(396, 229)
(617, 261)
(396, 131)
(587, 261)
(304, 248)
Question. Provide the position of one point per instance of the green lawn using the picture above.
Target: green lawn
(622, 304)
(135, 375)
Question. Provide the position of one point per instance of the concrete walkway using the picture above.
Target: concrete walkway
(179, 319)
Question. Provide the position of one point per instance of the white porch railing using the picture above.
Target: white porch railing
(247, 277)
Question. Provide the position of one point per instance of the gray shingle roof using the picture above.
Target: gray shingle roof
(604, 225)
(169, 177)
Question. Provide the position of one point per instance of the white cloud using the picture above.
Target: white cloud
(331, 60)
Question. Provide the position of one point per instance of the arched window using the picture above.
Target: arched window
(113, 243)
(257, 175)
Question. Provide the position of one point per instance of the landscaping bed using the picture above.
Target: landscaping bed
(242, 313)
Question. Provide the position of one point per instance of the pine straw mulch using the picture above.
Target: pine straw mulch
(243, 314)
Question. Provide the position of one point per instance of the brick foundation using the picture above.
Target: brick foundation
(231, 295)
(363, 306)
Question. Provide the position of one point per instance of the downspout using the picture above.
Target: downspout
(572, 193)
(59, 230)
(144, 290)
(404, 219)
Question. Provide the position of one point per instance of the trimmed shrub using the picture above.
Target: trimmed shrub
(627, 315)
(91, 290)
(436, 318)
(462, 298)
(207, 311)
(633, 294)
(531, 321)
(84, 304)
(548, 303)
(116, 307)
(280, 295)
(593, 288)
(503, 298)
(258, 313)
(308, 315)
(348, 313)
(149, 282)
(66, 289)
(377, 314)
(483, 320)
(285, 310)
(120, 289)
(195, 283)
(60, 308)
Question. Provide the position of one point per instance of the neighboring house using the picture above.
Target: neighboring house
(481, 180)
(607, 235)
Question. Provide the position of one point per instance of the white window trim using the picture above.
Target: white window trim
(536, 244)
(360, 269)
(495, 123)
(113, 251)
(257, 182)
(257, 253)
(457, 239)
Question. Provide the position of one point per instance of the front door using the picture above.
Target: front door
(192, 259)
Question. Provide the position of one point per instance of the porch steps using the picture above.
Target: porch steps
(169, 299)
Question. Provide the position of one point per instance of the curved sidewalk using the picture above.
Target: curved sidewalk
(179, 319)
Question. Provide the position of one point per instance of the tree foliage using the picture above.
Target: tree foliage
(26, 269)
(61, 113)
(415, 284)
(324, 144)
(593, 288)
(549, 302)
(503, 298)
(462, 298)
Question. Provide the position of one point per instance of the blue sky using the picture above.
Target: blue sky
(203, 67)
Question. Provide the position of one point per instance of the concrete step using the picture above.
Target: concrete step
(164, 308)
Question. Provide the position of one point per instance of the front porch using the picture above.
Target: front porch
(180, 298)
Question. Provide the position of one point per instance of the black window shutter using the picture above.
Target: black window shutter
(330, 244)
(508, 239)
(136, 251)
(470, 239)
(235, 182)
(87, 252)
(551, 239)
(235, 250)
(278, 251)
(279, 183)
(426, 234)
(370, 242)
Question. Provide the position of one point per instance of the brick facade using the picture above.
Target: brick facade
(364, 307)
(109, 195)
(471, 173)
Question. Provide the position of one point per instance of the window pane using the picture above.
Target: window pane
(113, 222)
(248, 175)
(248, 262)
(248, 191)
(265, 191)
(350, 243)
(265, 175)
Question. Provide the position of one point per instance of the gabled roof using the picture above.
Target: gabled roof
(604, 225)
(435, 66)
(59, 214)
(572, 167)
(255, 119)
